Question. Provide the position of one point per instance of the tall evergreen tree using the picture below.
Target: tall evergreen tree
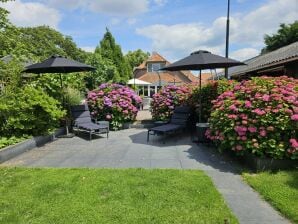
(108, 49)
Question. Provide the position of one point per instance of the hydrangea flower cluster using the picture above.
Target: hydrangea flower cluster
(115, 103)
(164, 102)
(259, 116)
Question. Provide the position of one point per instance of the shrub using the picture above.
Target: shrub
(29, 111)
(210, 92)
(7, 141)
(258, 116)
(115, 103)
(72, 96)
(164, 102)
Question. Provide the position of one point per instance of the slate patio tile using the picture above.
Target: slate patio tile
(165, 163)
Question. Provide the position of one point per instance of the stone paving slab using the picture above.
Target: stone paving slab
(129, 149)
(144, 115)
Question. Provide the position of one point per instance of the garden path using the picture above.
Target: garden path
(144, 115)
(128, 149)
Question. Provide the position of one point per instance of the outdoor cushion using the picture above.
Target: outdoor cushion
(91, 126)
(166, 128)
(178, 121)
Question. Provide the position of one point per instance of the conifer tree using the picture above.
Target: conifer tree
(108, 49)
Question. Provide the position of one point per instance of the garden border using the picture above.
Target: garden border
(266, 164)
(21, 147)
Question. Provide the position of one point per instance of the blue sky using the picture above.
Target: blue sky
(173, 28)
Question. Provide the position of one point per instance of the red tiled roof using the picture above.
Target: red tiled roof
(190, 76)
(153, 77)
(155, 57)
(165, 76)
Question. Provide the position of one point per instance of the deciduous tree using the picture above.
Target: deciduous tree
(286, 35)
(135, 58)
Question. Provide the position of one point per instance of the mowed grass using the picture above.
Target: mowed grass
(109, 196)
(280, 189)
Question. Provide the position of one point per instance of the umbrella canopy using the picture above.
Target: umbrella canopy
(58, 64)
(200, 60)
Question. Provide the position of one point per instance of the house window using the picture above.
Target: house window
(154, 67)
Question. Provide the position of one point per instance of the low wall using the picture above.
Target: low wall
(263, 164)
(21, 147)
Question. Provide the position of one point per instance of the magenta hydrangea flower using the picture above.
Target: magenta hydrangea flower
(294, 142)
(259, 111)
(263, 133)
(233, 108)
(252, 129)
(266, 97)
(248, 104)
(294, 117)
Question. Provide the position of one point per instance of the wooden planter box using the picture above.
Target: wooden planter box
(262, 164)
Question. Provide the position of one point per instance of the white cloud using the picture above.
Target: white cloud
(180, 39)
(131, 21)
(88, 48)
(246, 30)
(265, 20)
(109, 7)
(31, 14)
(66, 4)
(244, 53)
(115, 21)
(160, 2)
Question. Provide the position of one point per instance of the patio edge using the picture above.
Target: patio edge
(14, 150)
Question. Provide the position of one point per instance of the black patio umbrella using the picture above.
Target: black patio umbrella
(58, 64)
(200, 60)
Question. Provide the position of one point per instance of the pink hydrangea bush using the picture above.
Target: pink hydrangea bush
(114, 103)
(258, 116)
(164, 102)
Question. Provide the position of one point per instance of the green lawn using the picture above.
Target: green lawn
(280, 189)
(109, 196)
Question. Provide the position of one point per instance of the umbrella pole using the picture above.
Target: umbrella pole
(200, 99)
(63, 105)
(61, 89)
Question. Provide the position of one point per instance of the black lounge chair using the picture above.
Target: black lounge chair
(83, 122)
(177, 123)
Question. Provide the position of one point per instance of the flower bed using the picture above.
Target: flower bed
(258, 116)
(114, 103)
(164, 102)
